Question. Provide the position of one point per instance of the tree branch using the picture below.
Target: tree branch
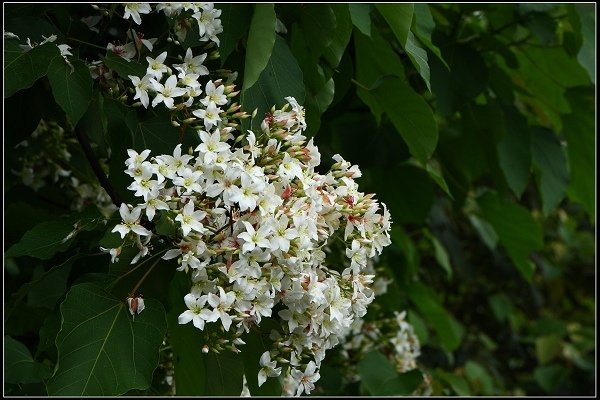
(102, 178)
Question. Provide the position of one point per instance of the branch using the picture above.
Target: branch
(102, 178)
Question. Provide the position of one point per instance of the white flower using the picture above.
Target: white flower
(189, 180)
(281, 234)
(214, 94)
(141, 88)
(153, 204)
(125, 51)
(210, 115)
(192, 64)
(306, 378)
(221, 304)
(253, 238)
(195, 313)
(268, 368)
(130, 222)
(290, 167)
(190, 219)
(211, 145)
(134, 10)
(156, 66)
(177, 163)
(167, 91)
(136, 305)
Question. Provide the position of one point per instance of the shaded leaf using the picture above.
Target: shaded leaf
(549, 376)
(235, 19)
(19, 365)
(361, 18)
(381, 379)
(411, 117)
(418, 56)
(43, 241)
(281, 78)
(440, 253)
(102, 350)
(72, 90)
(514, 152)
(449, 331)
(587, 53)
(257, 342)
(517, 231)
(318, 25)
(485, 230)
(261, 40)
(399, 18)
(549, 157)
(22, 69)
(547, 348)
(423, 27)
(123, 67)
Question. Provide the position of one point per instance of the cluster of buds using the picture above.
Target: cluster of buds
(254, 222)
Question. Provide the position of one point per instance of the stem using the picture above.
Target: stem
(102, 178)
(136, 267)
(87, 43)
(143, 278)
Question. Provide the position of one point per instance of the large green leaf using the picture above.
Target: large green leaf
(102, 349)
(72, 89)
(361, 17)
(587, 53)
(423, 26)
(23, 68)
(123, 67)
(517, 231)
(549, 157)
(261, 40)
(399, 18)
(411, 115)
(19, 366)
(580, 130)
(514, 151)
(257, 342)
(466, 78)
(343, 30)
(48, 238)
(318, 25)
(418, 56)
(156, 133)
(235, 19)
(281, 78)
(196, 373)
(380, 378)
(449, 331)
(375, 60)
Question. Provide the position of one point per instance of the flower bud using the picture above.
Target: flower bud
(205, 349)
(175, 124)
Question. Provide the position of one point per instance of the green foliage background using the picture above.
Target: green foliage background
(474, 123)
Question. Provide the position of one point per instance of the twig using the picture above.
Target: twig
(102, 178)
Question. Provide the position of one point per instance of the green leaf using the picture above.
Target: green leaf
(517, 231)
(157, 133)
(22, 69)
(72, 90)
(196, 373)
(480, 379)
(514, 152)
(549, 157)
(580, 130)
(257, 342)
(123, 67)
(374, 60)
(485, 230)
(418, 56)
(547, 348)
(261, 40)
(549, 377)
(587, 53)
(19, 366)
(235, 19)
(317, 23)
(94, 124)
(408, 192)
(281, 78)
(411, 117)
(423, 27)
(466, 78)
(102, 349)
(361, 17)
(449, 331)
(399, 18)
(46, 289)
(343, 30)
(43, 241)
(435, 173)
(440, 253)
(381, 379)
(456, 382)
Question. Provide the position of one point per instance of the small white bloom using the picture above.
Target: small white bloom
(134, 10)
(190, 219)
(268, 368)
(130, 222)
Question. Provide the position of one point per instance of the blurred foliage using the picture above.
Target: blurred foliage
(474, 123)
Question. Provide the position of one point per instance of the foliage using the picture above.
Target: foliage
(474, 123)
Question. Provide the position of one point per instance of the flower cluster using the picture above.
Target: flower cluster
(254, 223)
